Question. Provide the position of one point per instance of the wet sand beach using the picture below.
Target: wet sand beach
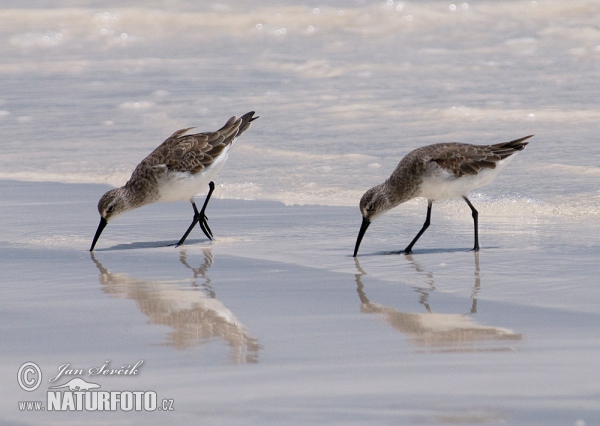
(234, 333)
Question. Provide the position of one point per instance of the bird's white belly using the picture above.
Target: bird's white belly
(183, 186)
(441, 184)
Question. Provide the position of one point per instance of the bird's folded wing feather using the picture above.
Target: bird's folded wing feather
(464, 159)
(190, 153)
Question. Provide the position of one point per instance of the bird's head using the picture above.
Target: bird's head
(111, 205)
(373, 204)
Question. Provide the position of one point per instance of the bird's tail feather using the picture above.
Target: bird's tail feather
(246, 120)
(506, 149)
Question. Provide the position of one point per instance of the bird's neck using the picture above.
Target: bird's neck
(137, 196)
(396, 192)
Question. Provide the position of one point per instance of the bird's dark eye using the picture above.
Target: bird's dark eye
(370, 207)
(110, 208)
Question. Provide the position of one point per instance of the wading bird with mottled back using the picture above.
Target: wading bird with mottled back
(176, 170)
(436, 172)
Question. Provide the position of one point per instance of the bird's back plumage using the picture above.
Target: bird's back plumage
(194, 153)
(466, 159)
(433, 171)
(182, 155)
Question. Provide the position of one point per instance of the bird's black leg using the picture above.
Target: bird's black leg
(408, 250)
(194, 222)
(200, 217)
(475, 222)
(203, 219)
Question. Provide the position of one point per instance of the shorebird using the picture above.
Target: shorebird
(436, 172)
(176, 170)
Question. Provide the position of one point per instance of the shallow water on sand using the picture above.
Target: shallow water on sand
(275, 322)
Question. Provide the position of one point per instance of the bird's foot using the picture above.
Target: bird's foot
(203, 222)
(402, 252)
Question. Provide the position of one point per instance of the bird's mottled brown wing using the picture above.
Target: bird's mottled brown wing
(193, 153)
(465, 159)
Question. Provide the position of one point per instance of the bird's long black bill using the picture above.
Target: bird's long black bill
(101, 227)
(363, 228)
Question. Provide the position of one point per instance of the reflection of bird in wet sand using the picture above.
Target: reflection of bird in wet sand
(436, 332)
(177, 170)
(194, 317)
(431, 283)
(437, 172)
(200, 272)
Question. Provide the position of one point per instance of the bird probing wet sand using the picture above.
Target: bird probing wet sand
(176, 170)
(435, 172)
